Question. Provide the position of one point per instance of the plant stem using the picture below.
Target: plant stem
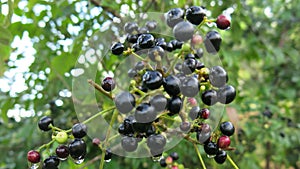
(99, 88)
(102, 159)
(199, 155)
(98, 114)
(45, 145)
(232, 162)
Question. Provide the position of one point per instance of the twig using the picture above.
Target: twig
(199, 155)
(99, 88)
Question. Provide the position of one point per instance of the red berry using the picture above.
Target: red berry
(204, 113)
(33, 156)
(197, 39)
(192, 101)
(223, 142)
(96, 141)
(223, 22)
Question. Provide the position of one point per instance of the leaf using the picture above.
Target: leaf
(5, 40)
(61, 64)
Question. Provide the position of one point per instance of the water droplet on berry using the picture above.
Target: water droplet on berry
(157, 159)
(34, 166)
(109, 160)
(210, 156)
(79, 160)
(62, 159)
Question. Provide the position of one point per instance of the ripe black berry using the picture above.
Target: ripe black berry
(159, 102)
(156, 53)
(145, 41)
(190, 86)
(199, 53)
(183, 31)
(189, 66)
(79, 130)
(132, 73)
(108, 154)
(174, 16)
(171, 85)
(218, 76)
(139, 65)
(51, 162)
(185, 126)
(176, 44)
(117, 48)
(223, 22)
(212, 42)
(44, 123)
(194, 112)
(195, 14)
(203, 133)
(33, 156)
(129, 27)
(174, 105)
(211, 148)
(77, 148)
(163, 163)
(151, 25)
(226, 94)
(142, 30)
(124, 102)
(145, 113)
(152, 79)
(108, 84)
(156, 142)
(209, 97)
(62, 151)
(174, 156)
(129, 144)
(132, 38)
(220, 157)
(227, 128)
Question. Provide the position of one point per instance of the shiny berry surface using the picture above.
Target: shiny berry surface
(33, 156)
(174, 16)
(77, 148)
(44, 123)
(51, 162)
(145, 41)
(145, 113)
(172, 85)
(183, 31)
(226, 94)
(159, 102)
(124, 102)
(156, 141)
(223, 22)
(152, 79)
(129, 144)
(62, 151)
(218, 76)
(79, 130)
(223, 142)
(220, 157)
(212, 42)
(174, 105)
(117, 48)
(209, 97)
(108, 84)
(227, 128)
(211, 148)
(195, 14)
(190, 87)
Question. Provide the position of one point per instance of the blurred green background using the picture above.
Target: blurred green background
(40, 42)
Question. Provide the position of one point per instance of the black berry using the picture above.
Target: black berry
(44, 123)
(220, 157)
(156, 142)
(159, 102)
(145, 41)
(189, 65)
(226, 94)
(172, 85)
(62, 151)
(79, 130)
(218, 76)
(227, 128)
(156, 53)
(211, 148)
(124, 102)
(195, 14)
(174, 156)
(212, 42)
(129, 27)
(108, 154)
(174, 105)
(209, 97)
(117, 48)
(108, 84)
(190, 86)
(174, 16)
(183, 31)
(129, 144)
(51, 162)
(194, 112)
(152, 79)
(77, 148)
(145, 113)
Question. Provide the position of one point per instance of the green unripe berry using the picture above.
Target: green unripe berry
(186, 47)
(61, 137)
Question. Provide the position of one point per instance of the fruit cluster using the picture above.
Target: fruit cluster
(169, 83)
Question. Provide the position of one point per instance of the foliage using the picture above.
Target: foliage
(261, 52)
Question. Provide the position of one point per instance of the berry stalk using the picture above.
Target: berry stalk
(199, 156)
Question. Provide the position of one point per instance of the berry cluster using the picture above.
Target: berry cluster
(69, 144)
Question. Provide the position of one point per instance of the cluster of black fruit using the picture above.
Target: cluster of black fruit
(171, 86)
(75, 147)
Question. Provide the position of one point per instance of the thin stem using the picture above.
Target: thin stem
(173, 64)
(137, 56)
(232, 162)
(45, 145)
(200, 157)
(102, 159)
(98, 114)
(99, 88)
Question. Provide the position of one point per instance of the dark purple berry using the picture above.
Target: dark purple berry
(62, 151)
(124, 102)
(226, 94)
(108, 84)
(129, 144)
(79, 130)
(190, 86)
(211, 148)
(172, 85)
(159, 102)
(156, 142)
(223, 22)
(227, 128)
(194, 112)
(51, 162)
(195, 14)
(212, 42)
(117, 48)
(156, 54)
(220, 157)
(185, 126)
(44, 123)
(132, 38)
(218, 76)
(203, 133)
(33, 156)
(152, 79)
(145, 41)
(174, 156)
(204, 113)
(189, 66)
(129, 27)
(174, 105)
(209, 97)
(77, 148)
(174, 16)
(151, 25)
(163, 163)
(145, 113)
(183, 31)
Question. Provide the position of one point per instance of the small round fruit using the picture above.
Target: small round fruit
(204, 113)
(108, 154)
(162, 162)
(152, 79)
(77, 148)
(223, 22)
(223, 142)
(174, 105)
(199, 53)
(129, 144)
(189, 66)
(212, 42)
(156, 54)
(129, 27)
(203, 133)
(218, 76)
(139, 65)
(227, 128)
(145, 113)
(44, 123)
(220, 157)
(33, 156)
(51, 162)
(151, 25)
(194, 112)
(124, 102)
(174, 156)
(209, 97)
(132, 73)
(190, 87)
(211, 148)
(145, 41)
(117, 48)
(183, 31)
(172, 85)
(132, 38)
(185, 126)
(174, 16)
(96, 141)
(79, 130)
(195, 14)
(61, 137)
(226, 94)
(159, 102)
(108, 84)
(156, 141)
(62, 151)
